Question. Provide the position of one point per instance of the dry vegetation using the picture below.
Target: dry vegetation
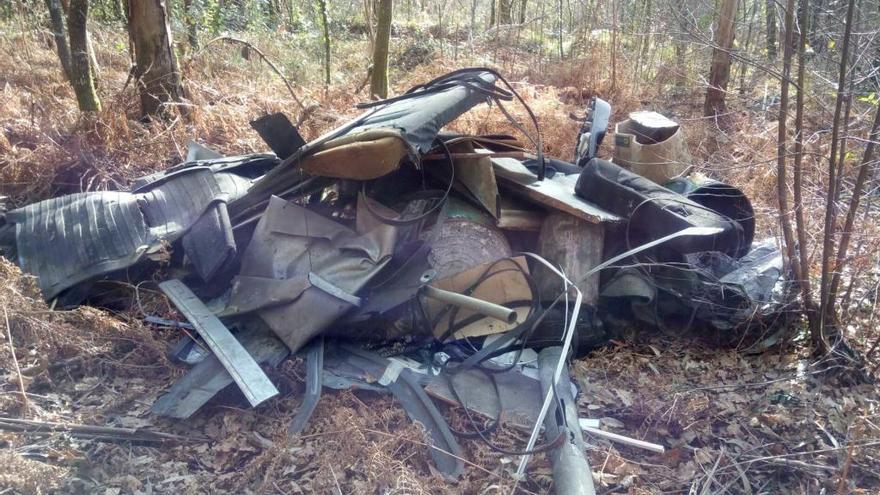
(732, 420)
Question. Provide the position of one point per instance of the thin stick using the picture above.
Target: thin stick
(335, 479)
(24, 400)
(632, 442)
(462, 459)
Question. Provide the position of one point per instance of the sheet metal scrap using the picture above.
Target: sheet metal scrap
(73, 239)
(245, 371)
(292, 245)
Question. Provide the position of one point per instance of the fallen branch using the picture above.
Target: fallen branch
(94, 432)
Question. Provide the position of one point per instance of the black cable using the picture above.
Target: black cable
(444, 196)
(490, 90)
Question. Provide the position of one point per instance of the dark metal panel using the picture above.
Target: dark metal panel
(67, 240)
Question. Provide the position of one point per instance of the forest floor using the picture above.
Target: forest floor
(733, 419)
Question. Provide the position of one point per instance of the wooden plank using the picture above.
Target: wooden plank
(514, 215)
(514, 176)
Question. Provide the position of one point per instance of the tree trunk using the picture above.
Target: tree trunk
(155, 65)
(379, 77)
(492, 15)
(56, 16)
(719, 72)
(749, 19)
(522, 11)
(192, 25)
(505, 8)
(80, 66)
(770, 7)
(325, 24)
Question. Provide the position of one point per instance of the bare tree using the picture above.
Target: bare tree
(719, 71)
(192, 25)
(81, 71)
(770, 7)
(325, 25)
(379, 76)
(505, 12)
(155, 64)
(56, 17)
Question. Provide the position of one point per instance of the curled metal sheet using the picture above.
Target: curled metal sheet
(70, 239)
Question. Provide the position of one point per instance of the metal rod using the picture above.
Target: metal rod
(482, 307)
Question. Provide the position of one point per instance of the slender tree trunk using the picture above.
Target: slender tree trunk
(719, 72)
(292, 17)
(782, 148)
(770, 8)
(748, 19)
(379, 77)
(492, 15)
(190, 16)
(826, 306)
(800, 223)
(80, 68)
(325, 25)
(613, 45)
(522, 11)
(559, 28)
(155, 65)
(849, 223)
(504, 12)
(56, 16)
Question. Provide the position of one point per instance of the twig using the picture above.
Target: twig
(24, 400)
(710, 476)
(844, 474)
(462, 459)
(303, 110)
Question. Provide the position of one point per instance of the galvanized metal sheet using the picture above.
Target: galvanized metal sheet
(251, 379)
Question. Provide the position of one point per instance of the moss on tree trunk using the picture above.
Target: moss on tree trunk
(80, 66)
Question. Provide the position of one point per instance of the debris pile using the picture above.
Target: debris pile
(394, 256)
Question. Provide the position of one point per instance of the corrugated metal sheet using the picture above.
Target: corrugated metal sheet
(67, 240)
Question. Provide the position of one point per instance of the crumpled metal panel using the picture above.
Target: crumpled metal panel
(70, 239)
(245, 166)
(175, 203)
(418, 118)
(67, 240)
(291, 243)
(421, 117)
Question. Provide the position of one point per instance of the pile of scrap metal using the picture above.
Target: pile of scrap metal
(396, 257)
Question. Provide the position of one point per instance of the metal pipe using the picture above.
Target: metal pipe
(480, 306)
(571, 470)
